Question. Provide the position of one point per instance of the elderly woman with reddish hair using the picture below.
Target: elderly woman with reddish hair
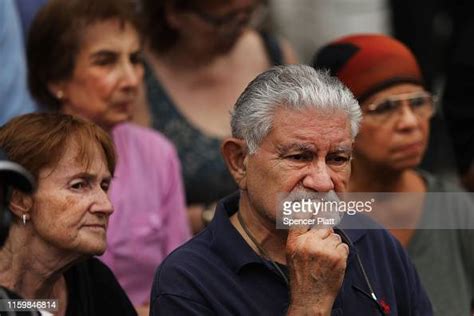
(57, 230)
(84, 59)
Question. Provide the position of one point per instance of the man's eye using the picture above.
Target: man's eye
(301, 157)
(339, 160)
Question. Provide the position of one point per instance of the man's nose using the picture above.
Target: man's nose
(318, 178)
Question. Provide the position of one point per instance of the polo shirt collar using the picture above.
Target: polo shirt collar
(227, 242)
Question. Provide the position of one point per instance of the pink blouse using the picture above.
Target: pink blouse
(149, 219)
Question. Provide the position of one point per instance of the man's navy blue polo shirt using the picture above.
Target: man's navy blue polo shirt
(217, 273)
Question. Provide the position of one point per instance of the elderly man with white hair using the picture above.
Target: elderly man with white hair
(292, 132)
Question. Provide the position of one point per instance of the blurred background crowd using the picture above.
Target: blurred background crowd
(161, 76)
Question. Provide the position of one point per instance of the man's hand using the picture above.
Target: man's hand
(317, 261)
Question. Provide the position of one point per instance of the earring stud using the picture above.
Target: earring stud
(59, 94)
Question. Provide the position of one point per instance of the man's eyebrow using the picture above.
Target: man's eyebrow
(341, 149)
(285, 148)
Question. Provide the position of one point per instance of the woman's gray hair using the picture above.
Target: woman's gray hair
(294, 87)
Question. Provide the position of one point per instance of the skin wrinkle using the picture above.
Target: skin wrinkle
(380, 144)
(104, 86)
(305, 151)
(380, 165)
(65, 199)
(267, 171)
(35, 256)
(315, 255)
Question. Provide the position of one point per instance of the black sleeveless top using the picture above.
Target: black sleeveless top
(94, 290)
(205, 174)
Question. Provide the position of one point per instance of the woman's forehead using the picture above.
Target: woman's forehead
(396, 89)
(76, 158)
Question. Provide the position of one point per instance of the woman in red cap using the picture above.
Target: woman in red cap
(385, 77)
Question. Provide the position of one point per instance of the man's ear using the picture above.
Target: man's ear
(235, 153)
(20, 203)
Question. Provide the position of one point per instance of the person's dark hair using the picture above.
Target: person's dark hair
(55, 37)
(160, 35)
(39, 140)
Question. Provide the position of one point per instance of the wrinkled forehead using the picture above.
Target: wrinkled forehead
(311, 127)
(310, 119)
(392, 91)
(78, 153)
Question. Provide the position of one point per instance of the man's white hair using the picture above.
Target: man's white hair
(293, 87)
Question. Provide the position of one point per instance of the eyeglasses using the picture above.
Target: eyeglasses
(422, 104)
(252, 15)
